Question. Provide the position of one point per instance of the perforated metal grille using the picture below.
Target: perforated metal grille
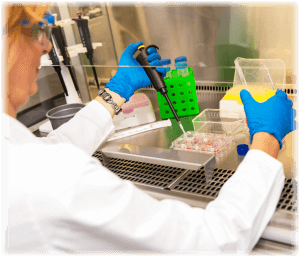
(98, 155)
(212, 87)
(181, 180)
(287, 199)
(194, 182)
(143, 173)
(221, 87)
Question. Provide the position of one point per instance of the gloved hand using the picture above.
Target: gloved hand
(274, 116)
(128, 79)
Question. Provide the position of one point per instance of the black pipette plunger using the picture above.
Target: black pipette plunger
(156, 78)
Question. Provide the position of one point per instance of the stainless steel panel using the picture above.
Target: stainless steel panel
(153, 144)
(156, 155)
(163, 138)
(268, 247)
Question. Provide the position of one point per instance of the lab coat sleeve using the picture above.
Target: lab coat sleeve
(88, 129)
(103, 212)
(246, 202)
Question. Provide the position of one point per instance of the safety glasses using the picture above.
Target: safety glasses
(44, 27)
(39, 30)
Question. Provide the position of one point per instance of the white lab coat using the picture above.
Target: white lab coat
(62, 199)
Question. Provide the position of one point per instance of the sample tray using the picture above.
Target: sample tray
(210, 143)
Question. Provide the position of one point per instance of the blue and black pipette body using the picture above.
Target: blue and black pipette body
(156, 78)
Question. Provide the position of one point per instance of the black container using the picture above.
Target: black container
(62, 114)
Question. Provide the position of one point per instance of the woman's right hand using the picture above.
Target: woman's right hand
(129, 79)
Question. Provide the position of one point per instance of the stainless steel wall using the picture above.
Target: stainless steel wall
(190, 31)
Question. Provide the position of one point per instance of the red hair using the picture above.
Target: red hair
(14, 14)
(19, 12)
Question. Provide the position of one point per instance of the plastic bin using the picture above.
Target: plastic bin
(62, 114)
(181, 92)
(261, 77)
(219, 121)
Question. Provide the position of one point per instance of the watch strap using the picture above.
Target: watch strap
(108, 98)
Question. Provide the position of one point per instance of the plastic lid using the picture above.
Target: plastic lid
(166, 61)
(242, 149)
(151, 50)
(180, 59)
(260, 73)
(50, 18)
(181, 65)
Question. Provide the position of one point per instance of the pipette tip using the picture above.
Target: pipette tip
(184, 134)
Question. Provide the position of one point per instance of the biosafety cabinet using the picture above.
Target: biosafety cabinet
(211, 37)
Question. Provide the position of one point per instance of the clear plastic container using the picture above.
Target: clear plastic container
(219, 121)
(209, 143)
(261, 77)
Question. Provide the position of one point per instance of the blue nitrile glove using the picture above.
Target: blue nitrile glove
(274, 116)
(129, 79)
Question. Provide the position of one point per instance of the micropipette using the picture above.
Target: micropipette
(57, 68)
(59, 39)
(86, 42)
(157, 80)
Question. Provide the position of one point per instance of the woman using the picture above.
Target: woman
(62, 199)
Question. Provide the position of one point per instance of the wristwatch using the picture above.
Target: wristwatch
(107, 98)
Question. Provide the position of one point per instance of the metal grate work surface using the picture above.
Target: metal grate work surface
(224, 86)
(194, 182)
(143, 173)
(186, 181)
(287, 199)
(98, 155)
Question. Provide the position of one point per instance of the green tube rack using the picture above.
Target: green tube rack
(182, 93)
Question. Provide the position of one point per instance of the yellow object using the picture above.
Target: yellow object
(259, 93)
(141, 46)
